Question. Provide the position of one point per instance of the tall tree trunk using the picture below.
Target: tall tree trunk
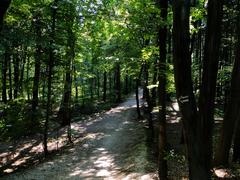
(22, 70)
(154, 81)
(37, 64)
(10, 78)
(49, 77)
(104, 86)
(231, 116)
(126, 84)
(110, 83)
(98, 84)
(184, 88)
(21, 88)
(162, 79)
(118, 82)
(137, 92)
(27, 78)
(16, 76)
(209, 77)
(4, 76)
(75, 83)
(65, 109)
(147, 96)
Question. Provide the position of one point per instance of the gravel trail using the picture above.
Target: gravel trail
(114, 147)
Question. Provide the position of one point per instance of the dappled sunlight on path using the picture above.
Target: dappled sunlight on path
(112, 146)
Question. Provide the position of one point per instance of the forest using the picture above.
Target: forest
(120, 89)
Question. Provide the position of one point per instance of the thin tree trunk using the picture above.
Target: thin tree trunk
(104, 86)
(10, 78)
(75, 83)
(98, 84)
(22, 69)
(148, 99)
(27, 78)
(110, 83)
(4, 76)
(154, 81)
(137, 92)
(16, 76)
(126, 84)
(37, 65)
(118, 82)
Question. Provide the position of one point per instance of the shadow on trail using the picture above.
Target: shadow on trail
(114, 145)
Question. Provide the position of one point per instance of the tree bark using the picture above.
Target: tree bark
(65, 109)
(154, 81)
(137, 93)
(209, 77)
(236, 142)
(184, 88)
(49, 77)
(10, 78)
(162, 79)
(75, 83)
(37, 65)
(16, 76)
(126, 84)
(104, 86)
(118, 82)
(4, 76)
(22, 70)
(27, 78)
(147, 96)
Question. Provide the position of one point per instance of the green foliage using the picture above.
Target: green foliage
(171, 155)
(17, 120)
(224, 74)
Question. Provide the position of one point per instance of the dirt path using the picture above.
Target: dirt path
(114, 147)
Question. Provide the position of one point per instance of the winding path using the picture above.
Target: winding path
(115, 147)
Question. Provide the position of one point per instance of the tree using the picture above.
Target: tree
(38, 59)
(209, 77)
(49, 77)
(162, 41)
(184, 87)
(65, 108)
(200, 131)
